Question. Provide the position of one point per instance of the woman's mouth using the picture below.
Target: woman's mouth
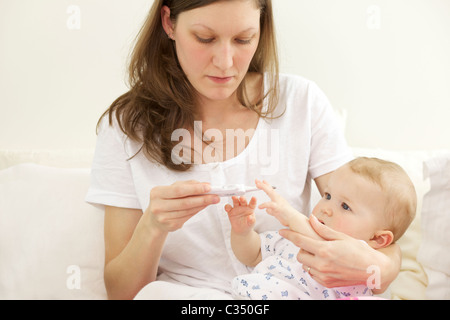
(220, 80)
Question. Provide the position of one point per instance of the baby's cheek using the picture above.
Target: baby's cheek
(344, 226)
(352, 230)
(316, 209)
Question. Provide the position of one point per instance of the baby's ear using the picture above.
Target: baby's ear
(381, 239)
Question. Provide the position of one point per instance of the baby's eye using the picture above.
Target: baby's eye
(346, 207)
(327, 196)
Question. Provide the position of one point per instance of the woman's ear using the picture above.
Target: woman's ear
(381, 239)
(167, 22)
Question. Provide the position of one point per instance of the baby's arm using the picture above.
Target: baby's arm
(245, 241)
(285, 213)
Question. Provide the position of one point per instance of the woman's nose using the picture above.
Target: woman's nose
(223, 57)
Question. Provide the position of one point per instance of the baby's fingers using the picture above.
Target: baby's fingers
(271, 208)
(267, 188)
(236, 202)
(252, 203)
(243, 201)
(251, 220)
(228, 208)
(268, 205)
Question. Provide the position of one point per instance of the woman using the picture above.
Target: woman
(207, 107)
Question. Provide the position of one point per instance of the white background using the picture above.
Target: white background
(386, 62)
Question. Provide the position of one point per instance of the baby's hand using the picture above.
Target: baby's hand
(241, 214)
(278, 207)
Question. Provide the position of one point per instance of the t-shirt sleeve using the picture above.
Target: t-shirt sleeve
(329, 149)
(112, 181)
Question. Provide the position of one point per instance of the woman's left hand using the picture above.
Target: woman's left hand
(342, 260)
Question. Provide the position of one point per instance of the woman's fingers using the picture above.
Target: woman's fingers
(331, 263)
(175, 220)
(316, 264)
(326, 232)
(311, 252)
(301, 241)
(180, 196)
(179, 205)
(184, 215)
(171, 206)
(181, 189)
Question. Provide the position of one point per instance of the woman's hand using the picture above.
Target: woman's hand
(134, 241)
(171, 206)
(342, 260)
(241, 215)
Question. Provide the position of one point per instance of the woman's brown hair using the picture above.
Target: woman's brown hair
(161, 99)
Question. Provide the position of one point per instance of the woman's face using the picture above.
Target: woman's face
(215, 45)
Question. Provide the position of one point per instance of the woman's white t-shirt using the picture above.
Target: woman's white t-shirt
(303, 144)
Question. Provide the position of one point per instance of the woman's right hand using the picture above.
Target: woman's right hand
(172, 206)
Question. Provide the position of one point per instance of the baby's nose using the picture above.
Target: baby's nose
(327, 211)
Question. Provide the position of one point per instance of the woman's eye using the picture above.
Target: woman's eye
(244, 41)
(327, 196)
(202, 40)
(346, 207)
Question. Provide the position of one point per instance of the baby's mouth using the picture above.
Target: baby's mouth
(320, 220)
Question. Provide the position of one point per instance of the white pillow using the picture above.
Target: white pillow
(51, 241)
(434, 251)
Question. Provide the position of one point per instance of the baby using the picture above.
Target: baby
(368, 199)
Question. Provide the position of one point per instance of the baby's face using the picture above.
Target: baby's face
(352, 204)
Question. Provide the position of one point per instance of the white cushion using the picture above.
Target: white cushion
(70, 158)
(51, 241)
(434, 251)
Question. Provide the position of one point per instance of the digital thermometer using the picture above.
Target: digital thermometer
(232, 190)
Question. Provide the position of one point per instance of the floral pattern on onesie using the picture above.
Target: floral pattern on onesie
(280, 276)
